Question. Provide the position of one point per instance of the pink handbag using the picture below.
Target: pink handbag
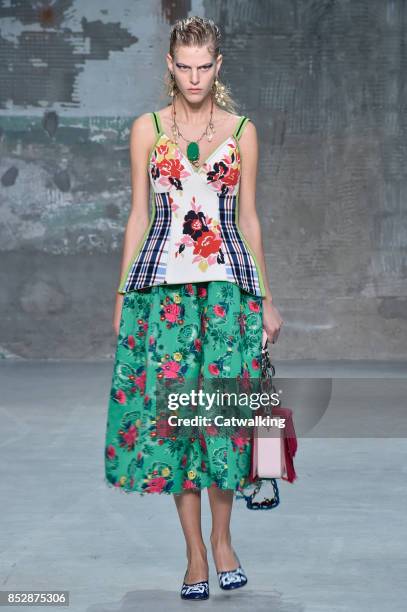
(273, 448)
(273, 452)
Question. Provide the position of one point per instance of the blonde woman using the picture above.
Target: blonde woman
(193, 298)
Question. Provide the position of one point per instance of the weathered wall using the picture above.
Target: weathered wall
(325, 83)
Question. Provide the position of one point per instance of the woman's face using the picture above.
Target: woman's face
(195, 70)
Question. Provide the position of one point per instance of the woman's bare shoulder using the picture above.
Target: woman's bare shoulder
(233, 121)
(227, 117)
(142, 123)
(142, 132)
(248, 140)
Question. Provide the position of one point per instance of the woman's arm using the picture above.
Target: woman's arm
(141, 140)
(249, 222)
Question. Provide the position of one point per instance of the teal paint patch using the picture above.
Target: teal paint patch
(68, 192)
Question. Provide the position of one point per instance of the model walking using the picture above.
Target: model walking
(192, 300)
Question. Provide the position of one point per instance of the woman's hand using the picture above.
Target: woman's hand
(118, 313)
(272, 321)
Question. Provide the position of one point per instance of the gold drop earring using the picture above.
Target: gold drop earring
(218, 89)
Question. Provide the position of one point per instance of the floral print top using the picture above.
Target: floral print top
(193, 235)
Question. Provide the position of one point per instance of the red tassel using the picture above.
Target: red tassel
(253, 470)
(290, 441)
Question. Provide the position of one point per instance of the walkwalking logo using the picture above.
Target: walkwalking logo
(321, 407)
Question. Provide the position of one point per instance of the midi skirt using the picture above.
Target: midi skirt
(171, 332)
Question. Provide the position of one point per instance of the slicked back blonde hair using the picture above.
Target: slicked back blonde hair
(198, 31)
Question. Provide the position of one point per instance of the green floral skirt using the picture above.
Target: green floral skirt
(174, 332)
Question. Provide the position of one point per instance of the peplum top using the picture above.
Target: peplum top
(193, 233)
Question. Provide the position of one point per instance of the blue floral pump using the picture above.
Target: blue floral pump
(196, 590)
(232, 579)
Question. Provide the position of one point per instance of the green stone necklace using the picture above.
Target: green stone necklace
(193, 152)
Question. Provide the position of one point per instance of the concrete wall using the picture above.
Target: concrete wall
(325, 83)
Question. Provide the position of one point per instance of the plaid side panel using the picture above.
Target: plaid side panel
(241, 267)
(150, 265)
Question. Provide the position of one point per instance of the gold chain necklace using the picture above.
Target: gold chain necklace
(193, 152)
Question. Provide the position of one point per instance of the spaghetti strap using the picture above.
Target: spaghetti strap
(240, 127)
(157, 123)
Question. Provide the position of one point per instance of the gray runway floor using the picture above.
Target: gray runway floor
(336, 543)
